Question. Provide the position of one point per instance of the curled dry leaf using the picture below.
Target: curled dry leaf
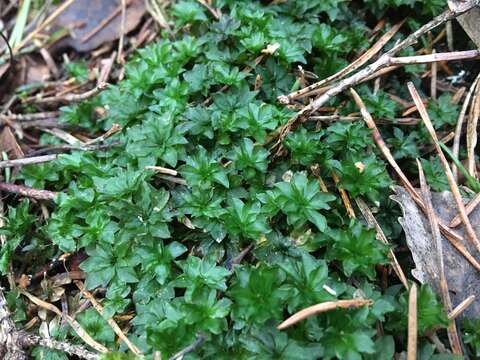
(469, 20)
(83, 18)
(463, 279)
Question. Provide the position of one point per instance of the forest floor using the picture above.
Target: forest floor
(238, 179)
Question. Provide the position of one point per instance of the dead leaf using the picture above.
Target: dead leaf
(83, 16)
(8, 144)
(463, 279)
(469, 20)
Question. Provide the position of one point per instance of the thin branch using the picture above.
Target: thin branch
(29, 117)
(27, 161)
(27, 191)
(364, 58)
(68, 98)
(460, 308)
(27, 340)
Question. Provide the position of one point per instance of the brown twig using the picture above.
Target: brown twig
(453, 185)
(33, 340)
(27, 191)
(460, 308)
(321, 308)
(437, 245)
(412, 323)
(286, 99)
(68, 98)
(29, 117)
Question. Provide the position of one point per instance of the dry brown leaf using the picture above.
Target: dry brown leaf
(469, 20)
(463, 279)
(83, 16)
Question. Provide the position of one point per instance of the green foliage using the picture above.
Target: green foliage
(358, 249)
(442, 111)
(77, 70)
(471, 328)
(96, 326)
(364, 176)
(300, 199)
(429, 308)
(18, 225)
(242, 236)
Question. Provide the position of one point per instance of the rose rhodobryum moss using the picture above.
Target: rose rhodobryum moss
(169, 251)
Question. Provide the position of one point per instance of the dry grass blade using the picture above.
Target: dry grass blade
(344, 196)
(435, 57)
(371, 221)
(47, 22)
(72, 322)
(461, 118)
(455, 239)
(472, 204)
(110, 321)
(322, 307)
(451, 181)
(433, 82)
(412, 323)
(472, 132)
(437, 242)
(364, 58)
(460, 308)
(162, 170)
(120, 59)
